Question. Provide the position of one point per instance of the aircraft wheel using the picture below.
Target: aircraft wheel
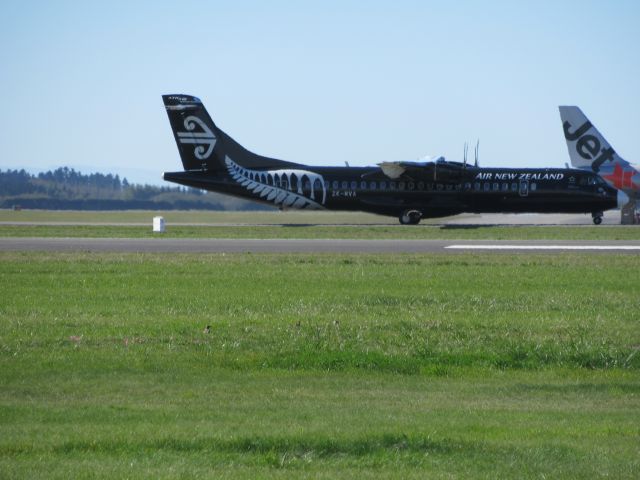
(597, 217)
(410, 217)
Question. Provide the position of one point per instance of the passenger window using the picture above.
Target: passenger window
(420, 185)
(372, 185)
(505, 187)
(496, 187)
(354, 185)
(401, 186)
(392, 185)
(514, 187)
(336, 184)
(363, 185)
(486, 187)
(345, 184)
(383, 185)
(533, 186)
(476, 186)
(411, 185)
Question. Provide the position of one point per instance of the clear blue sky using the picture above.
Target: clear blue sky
(314, 82)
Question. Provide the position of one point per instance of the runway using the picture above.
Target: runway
(191, 245)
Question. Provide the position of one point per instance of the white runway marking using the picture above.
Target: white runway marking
(544, 247)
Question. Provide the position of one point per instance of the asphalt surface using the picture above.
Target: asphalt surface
(190, 245)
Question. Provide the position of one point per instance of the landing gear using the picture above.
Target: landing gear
(597, 217)
(410, 217)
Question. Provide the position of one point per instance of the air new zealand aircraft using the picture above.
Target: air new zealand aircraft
(410, 191)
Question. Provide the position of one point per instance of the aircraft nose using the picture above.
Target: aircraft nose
(623, 199)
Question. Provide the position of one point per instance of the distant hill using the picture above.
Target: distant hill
(67, 189)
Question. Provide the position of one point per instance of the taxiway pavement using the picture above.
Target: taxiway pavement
(200, 245)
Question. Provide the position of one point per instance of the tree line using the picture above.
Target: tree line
(67, 189)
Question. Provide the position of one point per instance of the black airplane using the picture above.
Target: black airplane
(410, 191)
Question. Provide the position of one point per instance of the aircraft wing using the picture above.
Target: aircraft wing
(440, 170)
(392, 170)
(395, 170)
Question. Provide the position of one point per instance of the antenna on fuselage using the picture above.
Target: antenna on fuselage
(476, 152)
(466, 149)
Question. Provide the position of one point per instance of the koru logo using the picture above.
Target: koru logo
(588, 146)
(204, 140)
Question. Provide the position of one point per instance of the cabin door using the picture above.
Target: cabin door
(524, 188)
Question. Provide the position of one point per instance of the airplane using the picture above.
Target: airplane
(590, 151)
(409, 191)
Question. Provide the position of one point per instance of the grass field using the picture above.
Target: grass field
(419, 232)
(324, 366)
(291, 224)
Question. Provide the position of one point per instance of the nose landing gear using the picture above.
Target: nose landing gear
(410, 217)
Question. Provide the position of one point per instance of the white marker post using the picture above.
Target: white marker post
(158, 224)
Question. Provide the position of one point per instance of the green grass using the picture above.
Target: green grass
(396, 366)
(290, 224)
(424, 232)
(203, 422)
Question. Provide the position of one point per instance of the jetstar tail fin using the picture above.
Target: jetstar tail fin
(587, 147)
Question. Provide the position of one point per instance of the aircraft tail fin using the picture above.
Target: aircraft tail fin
(202, 145)
(194, 131)
(587, 147)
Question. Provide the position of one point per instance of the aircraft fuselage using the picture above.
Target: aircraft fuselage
(214, 161)
(441, 189)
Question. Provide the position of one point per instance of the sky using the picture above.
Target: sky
(315, 82)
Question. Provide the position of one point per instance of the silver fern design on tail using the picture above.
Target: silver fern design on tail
(286, 188)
